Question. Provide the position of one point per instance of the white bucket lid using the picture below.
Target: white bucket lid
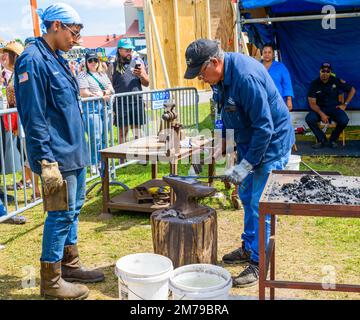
(200, 268)
(143, 265)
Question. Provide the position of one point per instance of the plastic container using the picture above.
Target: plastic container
(294, 163)
(200, 282)
(144, 276)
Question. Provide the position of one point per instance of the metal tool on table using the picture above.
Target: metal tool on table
(171, 132)
(199, 177)
(221, 178)
(314, 171)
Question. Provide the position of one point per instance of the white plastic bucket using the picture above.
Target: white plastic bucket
(294, 163)
(200, 282)
(144, 276)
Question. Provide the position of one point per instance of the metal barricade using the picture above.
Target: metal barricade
(98, 124)
(139, 114)
(15, 197)
(118, 119)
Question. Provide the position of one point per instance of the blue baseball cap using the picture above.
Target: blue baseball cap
(126, 44)
(197, 53)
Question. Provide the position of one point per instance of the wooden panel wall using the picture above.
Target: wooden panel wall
(193, 23)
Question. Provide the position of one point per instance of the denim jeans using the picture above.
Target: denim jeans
(337, 115)
(250, 192)
(61, 227)
(2, 209)
(95, 128)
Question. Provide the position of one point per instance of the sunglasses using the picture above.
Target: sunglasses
(93, 60)
(325, 71)
(76, 35)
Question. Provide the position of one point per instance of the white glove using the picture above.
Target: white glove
(238, 173)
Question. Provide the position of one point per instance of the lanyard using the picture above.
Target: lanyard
(98, 82)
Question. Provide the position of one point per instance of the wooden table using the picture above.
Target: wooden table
(152, 151)
(280, 207)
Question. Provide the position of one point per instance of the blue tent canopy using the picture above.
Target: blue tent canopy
(304, 45)
(297, 5)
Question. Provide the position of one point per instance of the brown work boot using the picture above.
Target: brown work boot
(72, 269)
(238, 256)
(52, 286)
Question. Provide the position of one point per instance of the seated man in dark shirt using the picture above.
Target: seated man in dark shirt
(323, 98)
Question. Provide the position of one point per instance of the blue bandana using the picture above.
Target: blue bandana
(58, 12)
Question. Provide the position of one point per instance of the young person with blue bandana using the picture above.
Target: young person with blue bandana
(252, 107)
(279, 73)
(49, 107)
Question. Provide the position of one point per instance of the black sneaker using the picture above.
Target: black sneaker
(248, 278)
(238, 256)
(332, 144)
(319, 145)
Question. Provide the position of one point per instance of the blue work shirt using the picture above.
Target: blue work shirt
(252, 106)
(48, 102)
(281, 77)
(327, 94)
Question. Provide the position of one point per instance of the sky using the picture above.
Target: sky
(99, 17)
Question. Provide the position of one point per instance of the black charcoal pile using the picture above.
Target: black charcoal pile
(317, 190)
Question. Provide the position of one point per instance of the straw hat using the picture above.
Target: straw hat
(13, 46)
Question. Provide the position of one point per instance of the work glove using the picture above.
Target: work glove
(238, 173)
(51, 177)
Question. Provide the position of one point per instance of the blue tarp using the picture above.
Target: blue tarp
(297, 5)
(304, 45)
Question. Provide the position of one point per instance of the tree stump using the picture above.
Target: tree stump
(185, 240)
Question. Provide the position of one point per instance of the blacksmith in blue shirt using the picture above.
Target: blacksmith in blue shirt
(49, 107)
(252, 107)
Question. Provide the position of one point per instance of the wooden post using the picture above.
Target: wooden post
(185, 241)
(154, 170)
(272, 258)
(236, 31)
(106, 189)
(158, 42)
(208, 14)
(177, 42)
(35, 18)
(262, 255)
(150, 46)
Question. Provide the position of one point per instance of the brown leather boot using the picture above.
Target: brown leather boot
(72, 269)
(52, 286)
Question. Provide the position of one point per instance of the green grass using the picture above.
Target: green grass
(304, 245)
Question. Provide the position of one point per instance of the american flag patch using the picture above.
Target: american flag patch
(23, 77)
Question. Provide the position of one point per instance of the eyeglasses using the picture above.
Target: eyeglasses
(325, 71)
(93, 60)
(76, 35)
(205, 65)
